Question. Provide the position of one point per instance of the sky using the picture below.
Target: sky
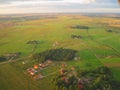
(59, 6)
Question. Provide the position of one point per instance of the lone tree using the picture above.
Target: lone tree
(33, 42)
(80, 27)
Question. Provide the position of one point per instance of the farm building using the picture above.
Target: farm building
(63, 71)
(39, 76)
(31, 71)
(42, 65)
(49, 61)
(36, 66)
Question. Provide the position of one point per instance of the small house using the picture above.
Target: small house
(64, 65)
(32, 73)
(39, 76)
(63, 71)
(42, 65)
(36, 66)
(49, 61)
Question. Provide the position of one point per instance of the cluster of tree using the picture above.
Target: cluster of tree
(98, 79)
(11, 56)
(33, 42)
(2, 59)
(114, 31)
(80, 27)
(109, 30)
(65, 83)
(55, 54)
(76, 36)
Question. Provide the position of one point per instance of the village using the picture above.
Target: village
(34, 71)
(65, 72)
(35, 74)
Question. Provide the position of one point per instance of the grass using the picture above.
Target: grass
(48, 31)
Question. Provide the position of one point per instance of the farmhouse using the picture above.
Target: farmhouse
(80, 86)
(36, 66)
(42, 65)
(64, 65)
(39, 76)
(31, 71)
(45, 64)
(49, 61)
(63, 71)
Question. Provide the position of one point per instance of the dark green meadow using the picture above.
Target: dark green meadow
(96, 47)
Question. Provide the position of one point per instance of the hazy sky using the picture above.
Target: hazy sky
(48, 6)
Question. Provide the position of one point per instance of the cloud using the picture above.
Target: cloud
(11, 1)
(80, 1)
(37, 6)
(50, 1)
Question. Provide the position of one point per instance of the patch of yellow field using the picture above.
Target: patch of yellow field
(111, 22)
(112, 64)
(64, 18)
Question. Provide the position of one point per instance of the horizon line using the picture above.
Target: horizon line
(61, 13)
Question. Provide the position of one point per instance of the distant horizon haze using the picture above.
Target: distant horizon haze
(59, 6)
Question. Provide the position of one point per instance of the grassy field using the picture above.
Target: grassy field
(97, 47)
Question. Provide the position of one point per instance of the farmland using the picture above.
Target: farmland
(98, 45)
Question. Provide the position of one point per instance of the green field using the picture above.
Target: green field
(97, 47)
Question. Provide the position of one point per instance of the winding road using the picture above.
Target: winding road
(10, 61)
